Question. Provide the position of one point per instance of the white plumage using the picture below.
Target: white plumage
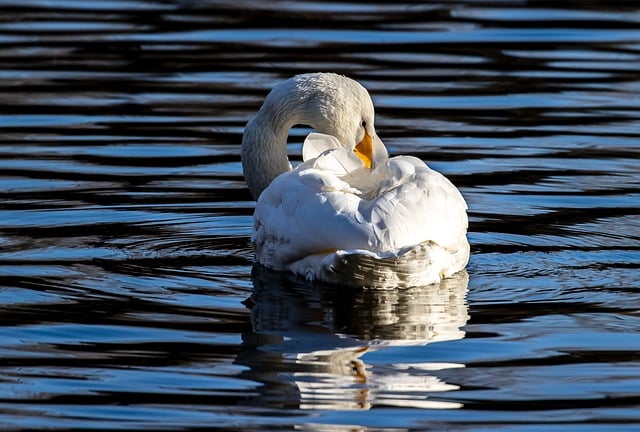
(348, 214)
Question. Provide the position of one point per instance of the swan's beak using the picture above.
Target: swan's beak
(364, 150)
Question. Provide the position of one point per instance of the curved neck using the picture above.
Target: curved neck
(264, 151)
(326, 102)
(264, 143)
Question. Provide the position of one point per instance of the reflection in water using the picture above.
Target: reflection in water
(125, 221)
(309, 339)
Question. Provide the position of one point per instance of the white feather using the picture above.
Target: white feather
(331, 219)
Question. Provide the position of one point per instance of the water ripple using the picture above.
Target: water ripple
(128, 293)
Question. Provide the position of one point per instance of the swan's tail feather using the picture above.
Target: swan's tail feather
(423, 264)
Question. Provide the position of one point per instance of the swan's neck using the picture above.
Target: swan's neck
(326, 102)
(264, 151)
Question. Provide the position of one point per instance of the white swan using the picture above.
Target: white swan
(348, 214)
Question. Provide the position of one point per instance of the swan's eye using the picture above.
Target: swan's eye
(364, 124)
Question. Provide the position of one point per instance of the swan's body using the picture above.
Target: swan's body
(348, 214)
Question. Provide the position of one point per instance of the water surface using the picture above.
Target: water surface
(128, 294)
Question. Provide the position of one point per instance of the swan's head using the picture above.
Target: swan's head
(334, 105)
(331, 104)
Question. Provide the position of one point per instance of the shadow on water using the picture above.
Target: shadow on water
(308, 341)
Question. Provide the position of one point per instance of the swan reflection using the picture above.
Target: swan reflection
(307, 341)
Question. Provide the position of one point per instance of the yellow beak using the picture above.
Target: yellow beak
(364, 150)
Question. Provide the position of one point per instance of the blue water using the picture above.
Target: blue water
(129, 298)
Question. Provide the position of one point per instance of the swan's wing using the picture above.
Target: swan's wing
(309, 211)
(317, 143)
(303, 212)
(416, 204)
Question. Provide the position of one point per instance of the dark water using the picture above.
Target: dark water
(127, 298)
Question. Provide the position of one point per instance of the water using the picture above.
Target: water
(128, 297)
